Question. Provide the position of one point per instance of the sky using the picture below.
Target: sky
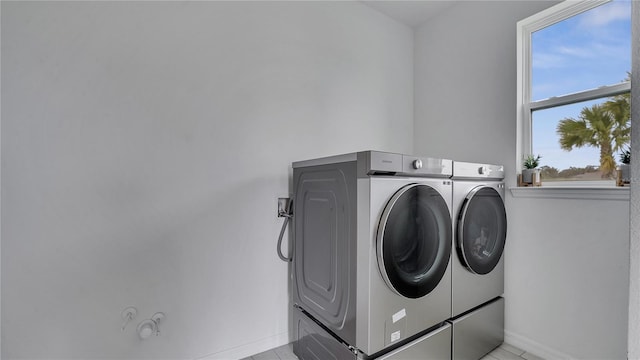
(584, 52)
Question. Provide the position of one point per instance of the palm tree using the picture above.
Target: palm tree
(606, 126)
(620, 108)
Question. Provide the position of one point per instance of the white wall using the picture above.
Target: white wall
(567, 277)
(634, 273)
(0, 195)
(566, 280)
(144, 146)
(465, 81)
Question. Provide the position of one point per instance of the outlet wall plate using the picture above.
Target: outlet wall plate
(284, 207)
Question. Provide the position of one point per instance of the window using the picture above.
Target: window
(574, 91)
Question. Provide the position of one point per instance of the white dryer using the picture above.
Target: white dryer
(372, 249)
(480, 229)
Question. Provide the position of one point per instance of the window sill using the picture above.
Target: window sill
(566, 192)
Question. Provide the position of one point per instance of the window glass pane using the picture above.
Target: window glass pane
(583, 52)
(572, 138)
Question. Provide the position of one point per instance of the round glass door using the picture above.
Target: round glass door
(414, 240)
(482, 230)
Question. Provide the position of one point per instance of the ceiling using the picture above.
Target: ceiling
(411, 13)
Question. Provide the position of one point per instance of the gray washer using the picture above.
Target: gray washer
(479, 235)
(372, 246)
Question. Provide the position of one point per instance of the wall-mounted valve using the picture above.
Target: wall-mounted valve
(127, 315)
(150, 326)
(285, 210)
(285, 207)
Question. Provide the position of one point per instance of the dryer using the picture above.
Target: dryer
(372, 248)
(480, 229)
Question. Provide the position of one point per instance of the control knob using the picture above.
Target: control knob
(417, 164)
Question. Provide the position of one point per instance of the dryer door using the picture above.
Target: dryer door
(482, 230)
(414, 240)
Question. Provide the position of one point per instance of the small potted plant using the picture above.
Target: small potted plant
(531, 173)
(624, 174)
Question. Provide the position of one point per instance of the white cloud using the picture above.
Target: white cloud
(580, 52)
(605, 14)
(564, 56)
(548, 60)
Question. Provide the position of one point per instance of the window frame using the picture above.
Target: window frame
(525, 106)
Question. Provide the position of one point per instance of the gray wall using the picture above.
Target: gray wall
(566, 260)
(144, 145)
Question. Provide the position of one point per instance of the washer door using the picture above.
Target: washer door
(482, 230)
(414, 240)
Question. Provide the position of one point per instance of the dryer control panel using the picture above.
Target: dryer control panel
(383, 163)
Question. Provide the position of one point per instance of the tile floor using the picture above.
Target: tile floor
(504, 352)
(284, 352)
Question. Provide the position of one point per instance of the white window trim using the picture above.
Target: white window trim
(603, 91)
(576, 192)
(524, 106)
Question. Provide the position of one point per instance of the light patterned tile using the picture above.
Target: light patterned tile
(529, 356)
(512, 349)
(267, 355)
(285, 352)
(488, 357)
(502, 354)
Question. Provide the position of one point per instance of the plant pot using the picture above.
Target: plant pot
(625, 173)
(531, 176)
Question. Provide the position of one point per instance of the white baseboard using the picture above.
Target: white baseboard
(249, 349)
(534, 347)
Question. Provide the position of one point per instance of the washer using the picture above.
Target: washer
(480, 232)
(372, 247)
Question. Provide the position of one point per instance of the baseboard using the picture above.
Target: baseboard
(249, 349)
(534, 347)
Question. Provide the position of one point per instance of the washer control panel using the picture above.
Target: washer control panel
(465, 170)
